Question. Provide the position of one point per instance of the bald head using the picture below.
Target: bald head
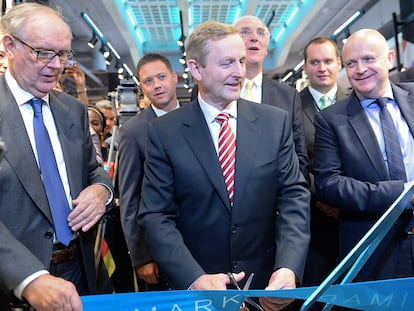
(368, 59)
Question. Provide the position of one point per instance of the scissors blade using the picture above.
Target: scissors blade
(248, 282)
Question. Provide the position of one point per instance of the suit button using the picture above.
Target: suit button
(48, 235)
(233, 230)
(234, 264)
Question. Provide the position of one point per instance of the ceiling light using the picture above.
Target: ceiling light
(108, 59)
(348, 22)
(92, 41)
(181, 41)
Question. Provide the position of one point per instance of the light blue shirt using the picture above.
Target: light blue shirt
(405, 137)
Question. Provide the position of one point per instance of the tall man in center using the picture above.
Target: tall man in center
(199, 225)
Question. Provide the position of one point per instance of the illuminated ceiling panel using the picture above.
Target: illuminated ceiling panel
(157, 25)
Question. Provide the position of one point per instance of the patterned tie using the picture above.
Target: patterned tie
(227, 153)
(324, 102)
(392, 145)
(50, 175)
(248, 92)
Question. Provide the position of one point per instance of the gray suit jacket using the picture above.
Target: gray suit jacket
(132, 145)
(191, 227)
(26, 226)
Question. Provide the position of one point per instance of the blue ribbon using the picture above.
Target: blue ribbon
(395, 294)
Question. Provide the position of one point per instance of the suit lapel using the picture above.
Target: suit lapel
(19, 153)
(402, 97)
(360, 123)
(309, 105)
(64, 125)
(197, 135)
(246, 146)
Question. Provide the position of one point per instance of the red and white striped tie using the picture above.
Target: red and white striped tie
(227, 152)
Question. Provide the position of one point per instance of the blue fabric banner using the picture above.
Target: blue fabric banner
(396, 294)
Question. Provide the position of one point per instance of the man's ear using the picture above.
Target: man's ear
(194, 68)
(8, 45)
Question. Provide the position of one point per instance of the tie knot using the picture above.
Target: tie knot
(382, 101)
(222, 117)
(36, 104)
(249, 84)
(324, 101)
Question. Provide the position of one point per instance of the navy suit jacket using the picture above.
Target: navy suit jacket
(350, 172)
(132, 145)
(26, 225)
(191, 227)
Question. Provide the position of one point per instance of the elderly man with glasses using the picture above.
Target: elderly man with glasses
(261, 89)
(46, 257)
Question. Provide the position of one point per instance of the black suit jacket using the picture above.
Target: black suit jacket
(324, 229)
(132, 144)
(191, 227)
(288, 99)
(350, 172)
(26, 226)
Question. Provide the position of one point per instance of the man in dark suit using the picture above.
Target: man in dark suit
(35, 266)
(322, 66)
(256, 37)
(351, 162)
(158, 82)
(197, 225)
(264, 90)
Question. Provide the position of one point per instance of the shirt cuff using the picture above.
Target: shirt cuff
(110, 193)
(20, 288)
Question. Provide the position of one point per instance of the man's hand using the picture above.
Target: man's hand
(47, 293)
(149, 273)
(282, 278)
(217, 281)
(89, 208)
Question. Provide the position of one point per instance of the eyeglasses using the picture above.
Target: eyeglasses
(366, 60)
(46, 56)
(246, 31)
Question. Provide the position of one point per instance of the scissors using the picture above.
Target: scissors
(246, 287)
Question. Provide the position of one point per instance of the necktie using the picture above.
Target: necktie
(227, 152)
(392, 145)
(324, 102)
(50, 175)
(248, 92)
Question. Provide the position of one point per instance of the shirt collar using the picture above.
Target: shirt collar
(317, 95)
(160, 112)
(365, 102)
(210, 112)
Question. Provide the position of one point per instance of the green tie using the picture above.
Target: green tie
(324, 102)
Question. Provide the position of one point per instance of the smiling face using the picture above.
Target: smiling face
(220, 79)
(367, 60)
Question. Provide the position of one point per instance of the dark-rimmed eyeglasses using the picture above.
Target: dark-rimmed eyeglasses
(46, 56)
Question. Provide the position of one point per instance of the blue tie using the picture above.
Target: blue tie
(50, 175)
(392, 144)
